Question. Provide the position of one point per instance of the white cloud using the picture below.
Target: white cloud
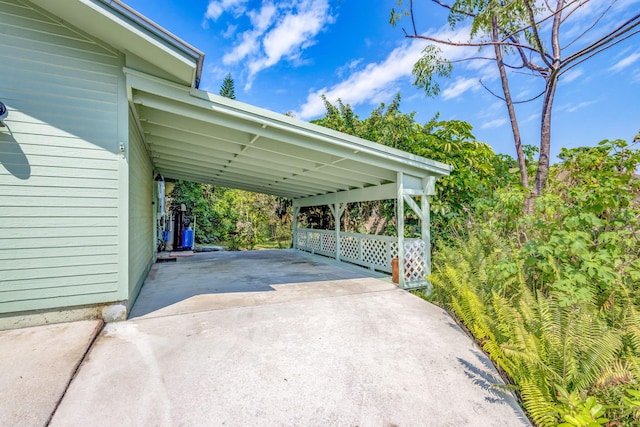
(217, 7)
(231, 29)
(369, 84)
(349, 67)
(493, 124)
(460, 86)
(532, 117)
(491, 110)
(571, 108)
(248, 46)
(279, 31)
(373, 82)
(625, 62)
(571, 75)
(261, 20)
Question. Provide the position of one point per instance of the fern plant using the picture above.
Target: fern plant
(548, 348)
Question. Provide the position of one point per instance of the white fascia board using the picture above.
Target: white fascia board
(107, 21)
(356, 147)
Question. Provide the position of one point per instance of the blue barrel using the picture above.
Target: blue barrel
(187, 238)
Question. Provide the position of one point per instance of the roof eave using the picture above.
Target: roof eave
(121, 27)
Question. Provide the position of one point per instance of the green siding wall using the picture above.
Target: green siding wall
(141, 211)
(59, 164)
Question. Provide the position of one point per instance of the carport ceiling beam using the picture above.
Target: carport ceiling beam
(380, 192)
(175, 174)
(212, 174)
(255, 166)
(178, 141)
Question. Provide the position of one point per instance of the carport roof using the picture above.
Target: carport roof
(199, 136)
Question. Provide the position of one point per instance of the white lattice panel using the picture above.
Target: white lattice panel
(414, 260)
(301, 238)
(349, 247)
(368, 250)
(313, 241)
(374, 252)
(328, 243)
(394, 250)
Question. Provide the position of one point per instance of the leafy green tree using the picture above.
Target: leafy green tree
(517, 35)
(228, 87)
(477, 170)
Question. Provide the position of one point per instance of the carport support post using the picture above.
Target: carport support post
(426, 232)
(294, 225)
(337, 209)
(400, 220)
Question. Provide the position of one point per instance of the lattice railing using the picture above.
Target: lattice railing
(415, 263)
(371, 251)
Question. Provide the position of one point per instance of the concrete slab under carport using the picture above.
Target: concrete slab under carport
(217, 280)
(367, 355)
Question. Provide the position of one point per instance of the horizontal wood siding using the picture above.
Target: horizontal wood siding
(58, 164)
(141, 208)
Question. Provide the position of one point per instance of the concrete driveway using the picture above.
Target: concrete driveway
(328, 347)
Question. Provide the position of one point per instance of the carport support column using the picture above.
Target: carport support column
(400, 220)
(337, 209)
(294, 225)
(426, 232)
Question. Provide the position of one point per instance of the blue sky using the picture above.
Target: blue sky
(283, 55)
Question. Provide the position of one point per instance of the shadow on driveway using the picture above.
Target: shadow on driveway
(241, 279)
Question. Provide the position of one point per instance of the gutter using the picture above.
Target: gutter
(176, 42)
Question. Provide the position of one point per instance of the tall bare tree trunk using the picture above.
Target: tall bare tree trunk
(547, 103)
(522, 165)
(545, 136)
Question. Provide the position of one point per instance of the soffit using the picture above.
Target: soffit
(199, 136)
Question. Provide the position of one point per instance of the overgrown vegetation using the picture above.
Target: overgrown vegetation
(477, 170)
(234, 218)
(553, 296)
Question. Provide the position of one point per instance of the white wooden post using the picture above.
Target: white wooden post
(426, 233)
(337, 209)
(294, 226)
(400, 221)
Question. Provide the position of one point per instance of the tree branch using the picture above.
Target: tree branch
(503, 99)
(546, 18)
(606, 39)
(571, 12)
(555, 36)
(413, 19)
(486, 58)
(471, 44)
(566, 68)
(536, 36)
(446, 6)
(591, 27)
